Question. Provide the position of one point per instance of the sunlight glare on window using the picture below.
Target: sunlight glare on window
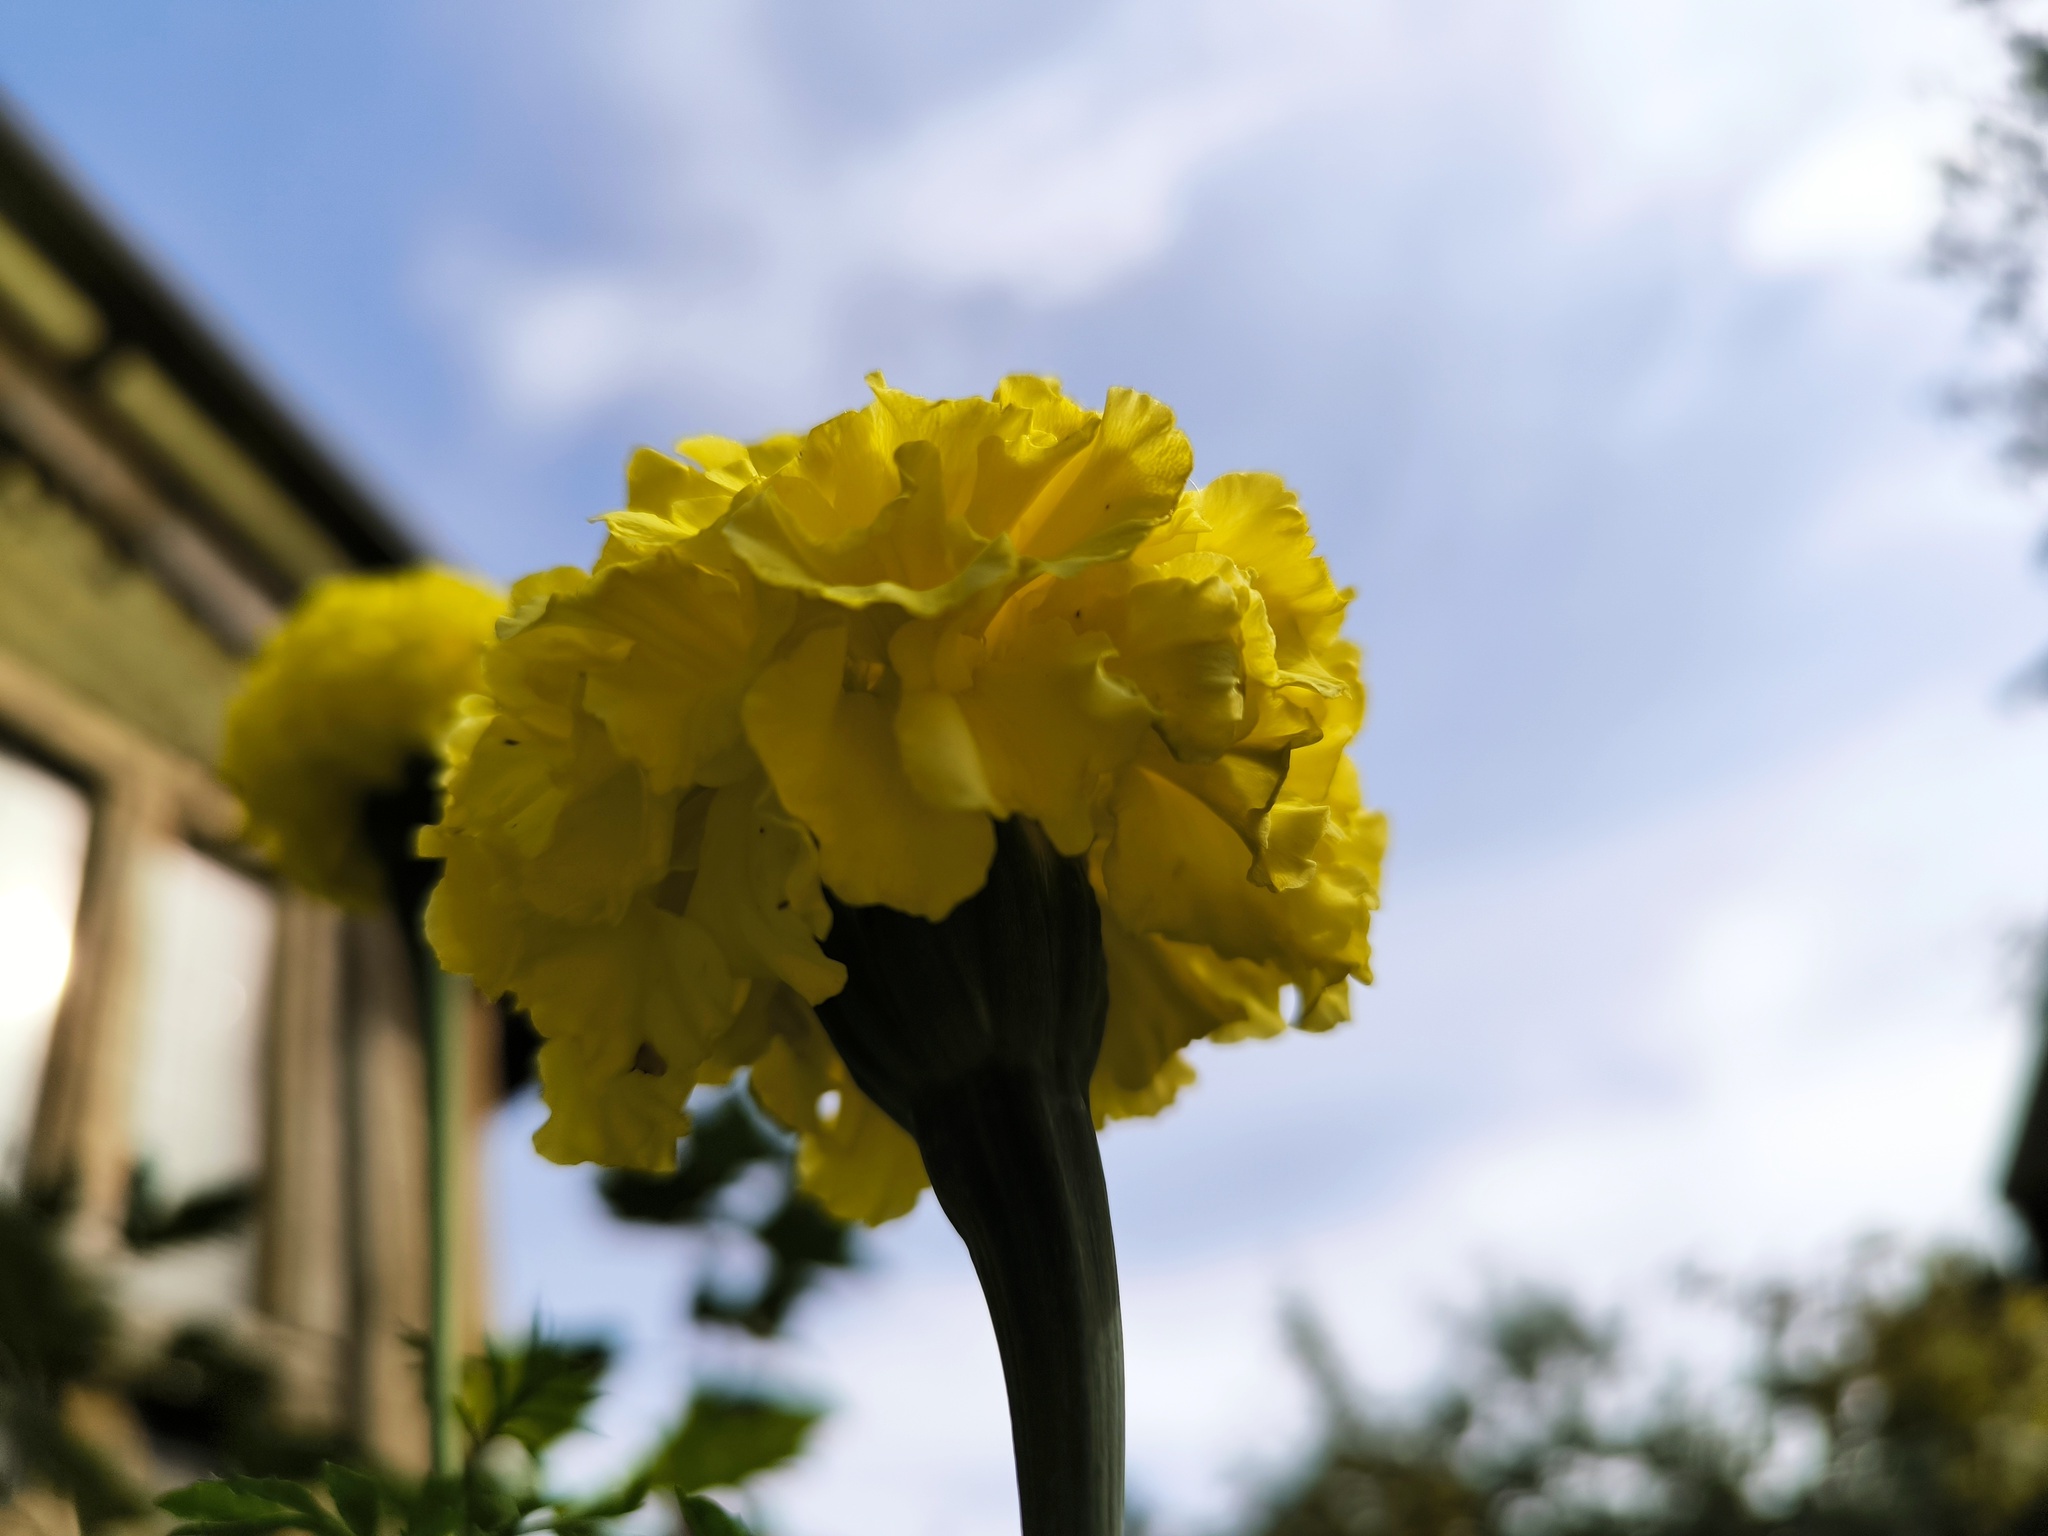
(44, 826)
(197, 1107)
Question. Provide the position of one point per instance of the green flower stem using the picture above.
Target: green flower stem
(978, 1036)
(446, 1006)
(1017, 1170)
(391, 823)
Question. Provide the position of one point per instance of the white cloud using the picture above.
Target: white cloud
(1861, 191)
(1053, 187)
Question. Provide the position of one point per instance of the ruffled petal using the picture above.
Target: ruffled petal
(1105, 500)
(832, 755)
(1175, 869)
(1163, 996)
(1051, 725)
(603, 1110)
(363, 676)
(642, 1003)
(851, 1158)
(671, 699)
(755, 890)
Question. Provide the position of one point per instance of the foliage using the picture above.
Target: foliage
(797, 1237)
(219, 1403)
(153, 1221)
(1995, 224)
(724, 1438)
(1868, 1410)
(534, 1395)
(61, 1345)
(56, 1328)
(524, 1400)
(516, 1402)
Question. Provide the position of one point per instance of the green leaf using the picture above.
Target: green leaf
(726, 1438)
(152, 1221)
(701, 1517)
(249, 1504)
(534, 1395)
(727, 1140)
(609, 1506)
(356, 1498)
(438, 1509)
(492, 1508)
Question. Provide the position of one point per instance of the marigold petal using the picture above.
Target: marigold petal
(756, 891)
(653, 979)
(1162, 996)
(601, 1109)
(832, 755)
(1104, 501)
(1173, 868)
(1052, 726)
(671, 700)
(851, 1158)
(364, 676)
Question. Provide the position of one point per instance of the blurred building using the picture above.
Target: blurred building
(165, 1006)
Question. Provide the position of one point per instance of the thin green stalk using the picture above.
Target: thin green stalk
(391, 822)
(446, 999)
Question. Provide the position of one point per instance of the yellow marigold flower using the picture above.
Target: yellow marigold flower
(366, 673)
(823, 668)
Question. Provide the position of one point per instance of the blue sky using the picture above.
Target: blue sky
(1593, 333)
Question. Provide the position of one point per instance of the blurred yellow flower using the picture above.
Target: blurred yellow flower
(831, 663)
(366, 673)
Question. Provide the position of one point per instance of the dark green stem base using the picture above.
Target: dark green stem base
(1017, 1171)
(978, 1036)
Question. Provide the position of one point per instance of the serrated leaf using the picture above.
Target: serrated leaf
(726, 1438)
(701, 1517)
(356, 1498)
(249, 1504)
(533, 1395)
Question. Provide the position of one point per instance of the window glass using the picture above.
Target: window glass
(45, 823)
(209, 935)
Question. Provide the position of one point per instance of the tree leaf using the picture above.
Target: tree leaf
(610, 1506)
(250, 1504)
(356, 1497)
(701, 1517)
(534, 1395)
(727, 1437)
(152, 1221)
(727, 1139)
(438, 1509)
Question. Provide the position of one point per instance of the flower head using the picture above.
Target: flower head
(364, 675)
(833, 664)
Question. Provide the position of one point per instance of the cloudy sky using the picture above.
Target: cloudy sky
(1593, 332)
